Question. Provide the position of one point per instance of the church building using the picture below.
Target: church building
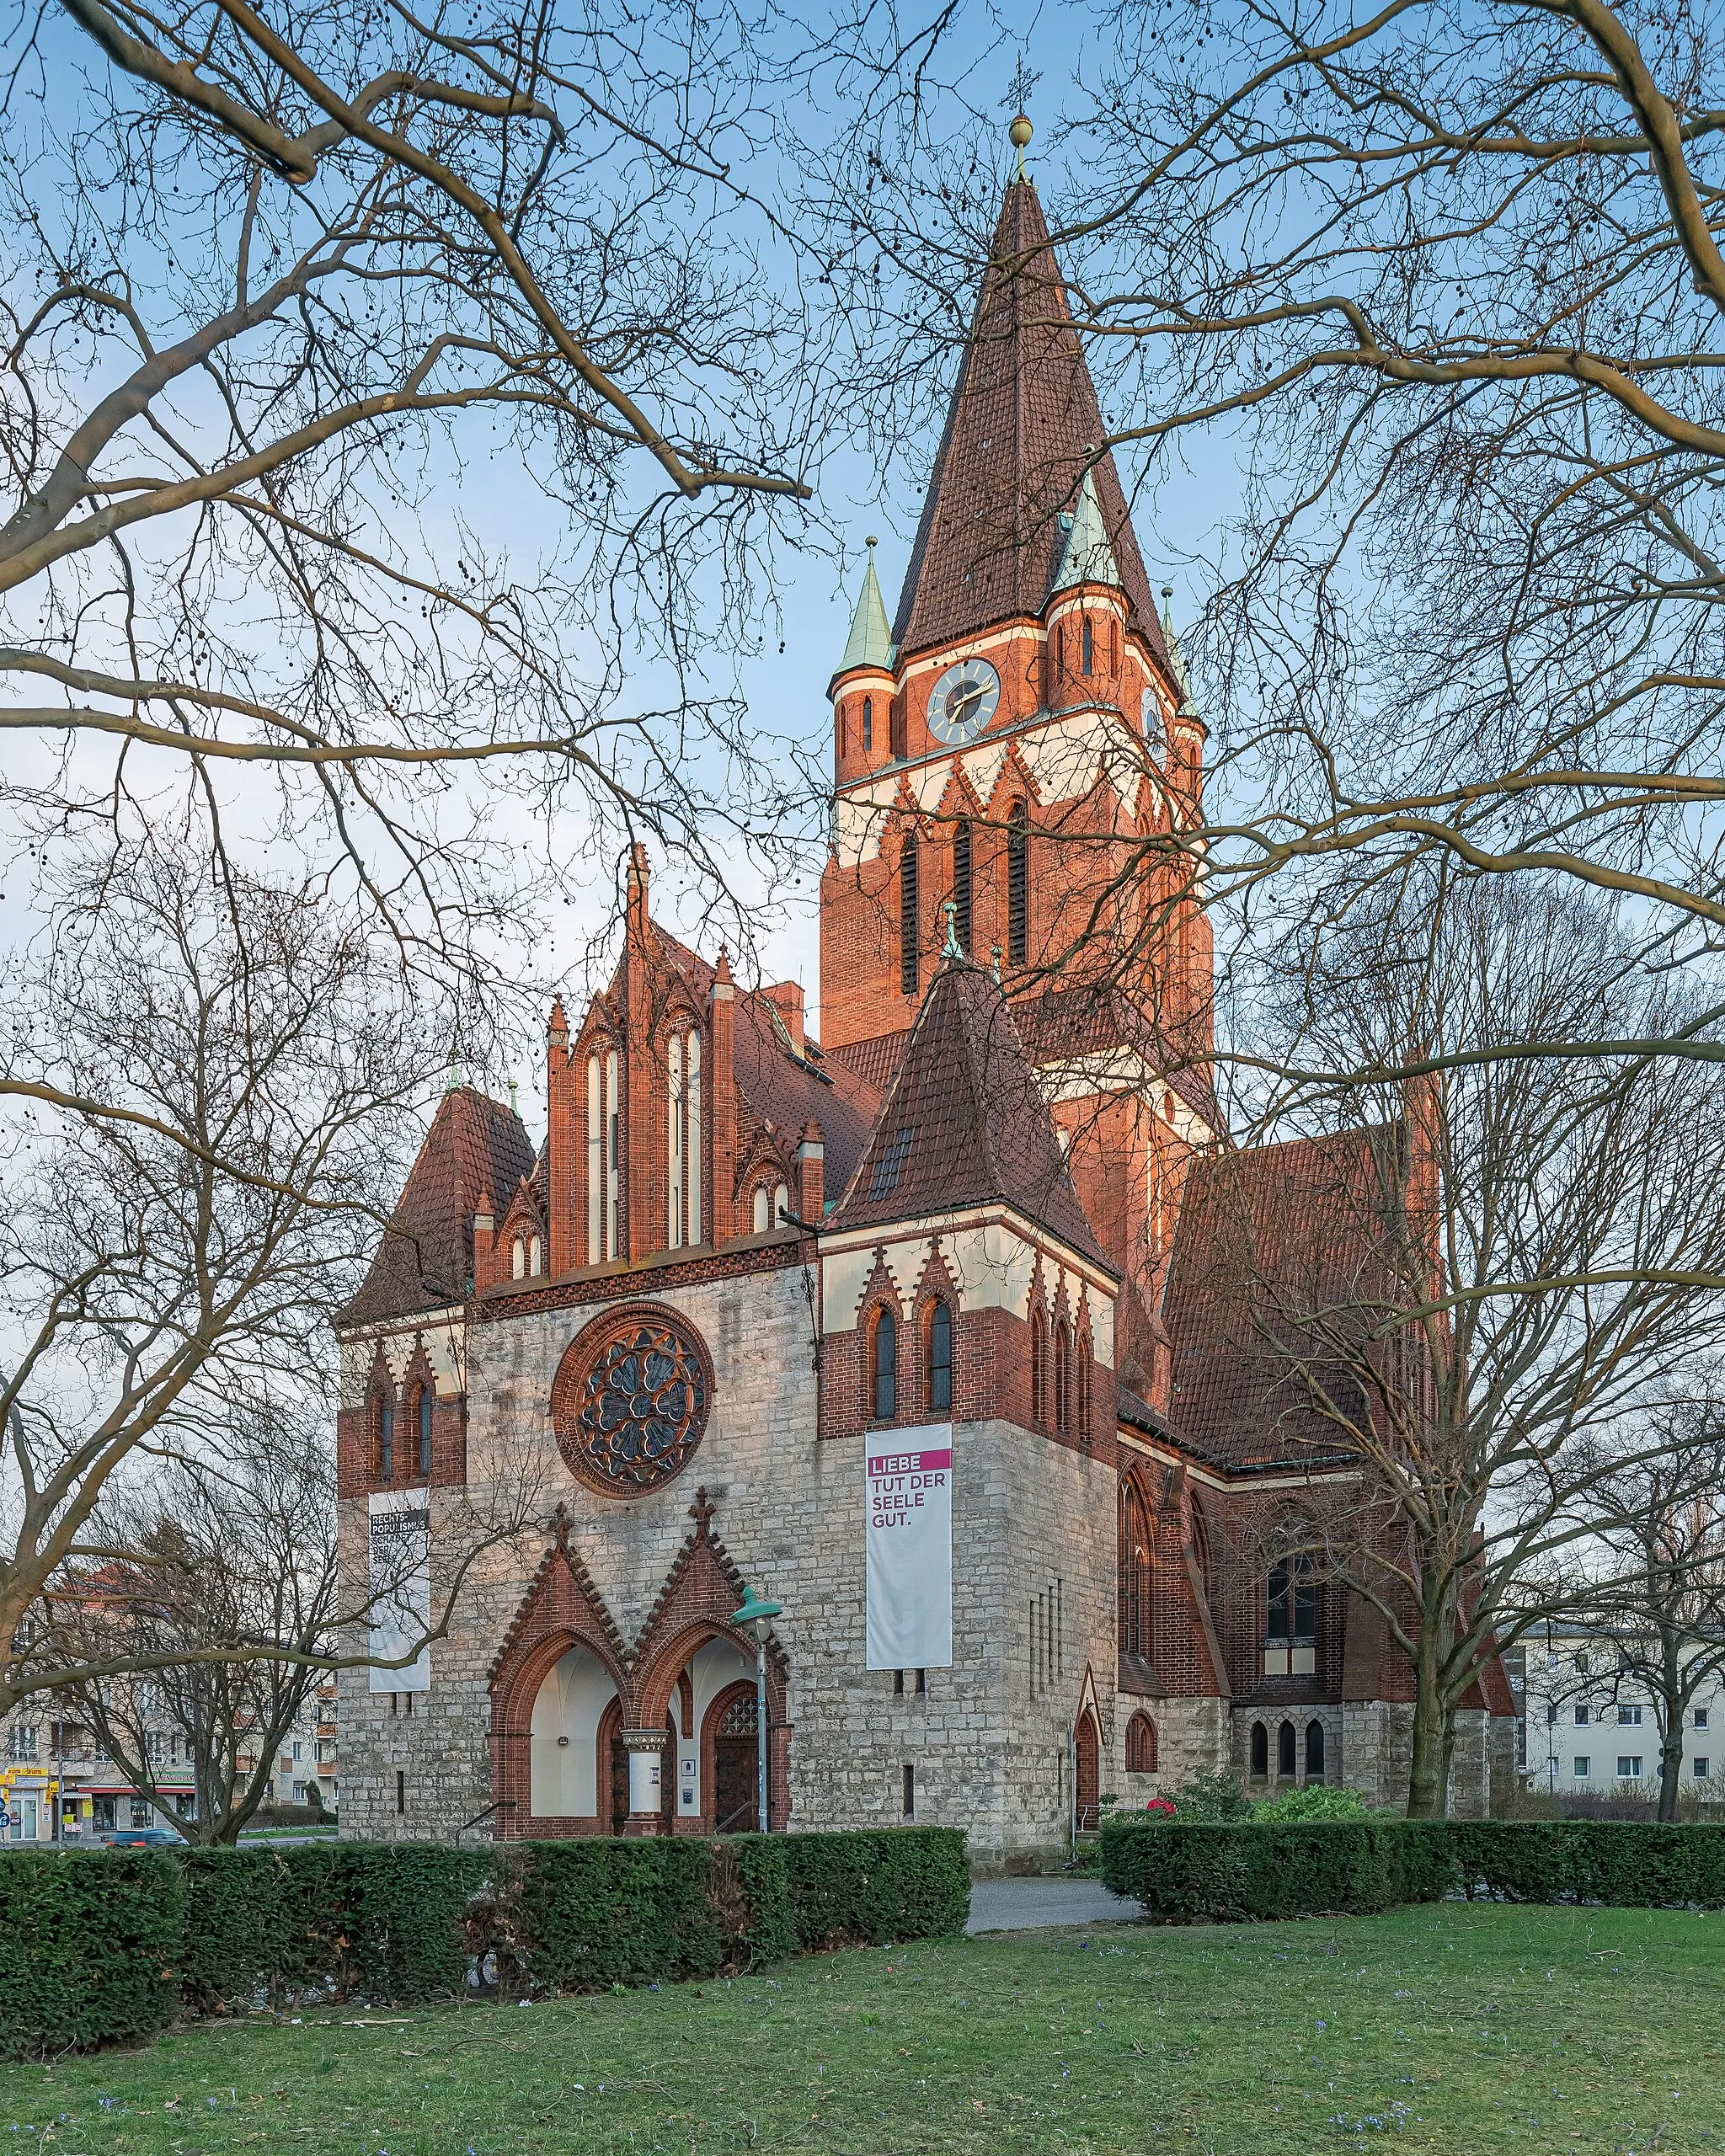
(926, 1330)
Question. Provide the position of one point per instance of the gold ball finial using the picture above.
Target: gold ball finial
(871, 541)
(1020, 132)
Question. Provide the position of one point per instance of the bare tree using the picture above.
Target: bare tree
(227, 1600)
(168, 1264)
(402, 413)
(1661, 1602)
(1473, 1302)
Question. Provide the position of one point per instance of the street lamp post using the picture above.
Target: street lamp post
(755, 1616)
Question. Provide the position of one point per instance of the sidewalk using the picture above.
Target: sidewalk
(1042, 1904)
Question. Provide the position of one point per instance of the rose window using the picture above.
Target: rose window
(629, 1404)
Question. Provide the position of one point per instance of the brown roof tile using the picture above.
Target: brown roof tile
(964, 1123)
(425, 1259)
(1268, 1235)
(786, 1089)
(873, 1061)
(1022, 424)
(1056, 1023)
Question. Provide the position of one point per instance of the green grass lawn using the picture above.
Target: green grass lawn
(1448, 2027)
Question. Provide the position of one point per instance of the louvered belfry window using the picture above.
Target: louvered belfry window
(1018, 885)
(962, 886)
(909, 968)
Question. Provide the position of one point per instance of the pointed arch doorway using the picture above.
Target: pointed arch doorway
(1086, 1770)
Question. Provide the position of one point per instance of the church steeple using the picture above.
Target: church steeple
(1020, 440)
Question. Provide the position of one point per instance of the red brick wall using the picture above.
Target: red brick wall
(355, 1447)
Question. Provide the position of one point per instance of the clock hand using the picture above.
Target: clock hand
(959, 709)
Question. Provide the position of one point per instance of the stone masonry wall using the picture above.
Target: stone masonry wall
(1033, 1535)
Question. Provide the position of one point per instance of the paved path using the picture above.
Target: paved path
(1041, 1904)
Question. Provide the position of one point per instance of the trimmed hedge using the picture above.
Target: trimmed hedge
(872, 1889)
(568, 1916)
(371, 1920)
(1245, 1871)
(1232, 1873)
(103, 1946)
(88, 1942)
(1627, 1864)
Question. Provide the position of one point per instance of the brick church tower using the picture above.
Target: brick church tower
(1020, 746)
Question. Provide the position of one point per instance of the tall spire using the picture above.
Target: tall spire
(1021, 433)
(1087, 557)
(871, 640)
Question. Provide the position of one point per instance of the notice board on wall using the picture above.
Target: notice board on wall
(908, 1540)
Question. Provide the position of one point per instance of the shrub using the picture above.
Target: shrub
(1211, 1797)
(1628, 1864)
(1262, 1868)
(88, 1946)
(1235, 1871)
(1316, 1800)
(108, 1945)
(373, 1920)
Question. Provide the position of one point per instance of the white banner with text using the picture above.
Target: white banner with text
(401, 1587)
(908, 1538)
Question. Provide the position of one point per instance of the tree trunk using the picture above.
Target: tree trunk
(1672, 1701)
(1670, 1766)
(1434, 1738)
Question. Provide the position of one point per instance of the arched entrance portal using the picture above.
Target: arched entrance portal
(564, 1750)
(1087, 1766)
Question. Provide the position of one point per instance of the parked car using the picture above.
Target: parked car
(142, 1838)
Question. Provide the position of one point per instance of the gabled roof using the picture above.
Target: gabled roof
(425, 1260)
(1023, 427)
(777, 1086)
(1273, 1241)
(964, 1123)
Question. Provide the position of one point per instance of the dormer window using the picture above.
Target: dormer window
(889, 1163)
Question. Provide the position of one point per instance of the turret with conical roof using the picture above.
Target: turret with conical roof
(1087, 557)
(870, 642)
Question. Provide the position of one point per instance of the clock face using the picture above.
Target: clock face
(964, 700)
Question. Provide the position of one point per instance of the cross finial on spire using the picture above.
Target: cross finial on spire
(1019, 133)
